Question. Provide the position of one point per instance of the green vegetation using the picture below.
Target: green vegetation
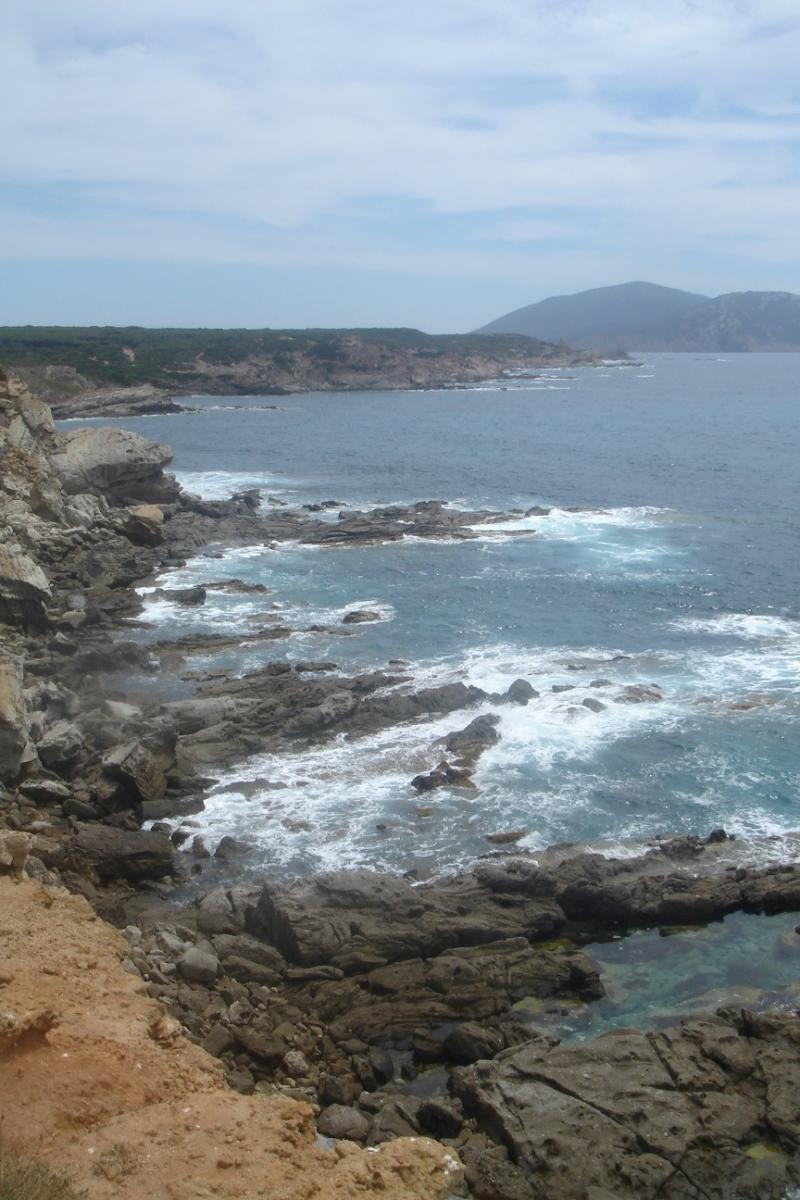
(112, 356)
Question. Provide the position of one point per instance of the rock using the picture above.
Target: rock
(613, 1116)
(639, 693)
(295, 1065)
(144, 525)
(24, 591)
(440, 1118)
(340, 1121)
(215, 913)
(60, 746)
(217, 1041)
(199, 966)
(594, 705)
(520, 692)
(350, 918)
(229, 848)
(134, 766)
(115, 463)
(45, 791)
(188, 597)
(442, 776)
(314, 665)
(470, 742)
(120, 854)
(468, 1043)
(339, 1090)
(81, 809)
(506, 839)
(16, 748)
(358, 616)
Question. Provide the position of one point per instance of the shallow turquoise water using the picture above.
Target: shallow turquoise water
(746, 961)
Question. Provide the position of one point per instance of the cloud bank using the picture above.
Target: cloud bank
(521, 147)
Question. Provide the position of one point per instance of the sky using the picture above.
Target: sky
(434, 163)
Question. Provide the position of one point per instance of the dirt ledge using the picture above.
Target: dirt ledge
(99, 1082)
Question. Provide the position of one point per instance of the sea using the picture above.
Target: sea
(681, 569)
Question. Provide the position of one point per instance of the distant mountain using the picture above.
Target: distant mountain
(738, 321)
(644, 316)
(602, 318)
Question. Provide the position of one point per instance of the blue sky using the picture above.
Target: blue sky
(355, 162)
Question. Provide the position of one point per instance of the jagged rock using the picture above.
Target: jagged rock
(24, 590)
(215, 913)
(473, 739)
(346, 918)
(639, 693)
(442, 776)
(122, 854)
(134, 766)
(60, 746)
(45, 791)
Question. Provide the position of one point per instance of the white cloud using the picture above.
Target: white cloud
(248, 132)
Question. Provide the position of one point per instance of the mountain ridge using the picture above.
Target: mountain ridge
(641, 316)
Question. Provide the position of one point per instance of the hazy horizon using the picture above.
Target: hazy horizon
(290, 165)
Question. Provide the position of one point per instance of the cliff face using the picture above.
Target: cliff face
(99, 1082)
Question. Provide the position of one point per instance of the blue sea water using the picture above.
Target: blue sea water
(690, 570)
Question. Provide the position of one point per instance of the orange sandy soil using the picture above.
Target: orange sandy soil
(96, 1080)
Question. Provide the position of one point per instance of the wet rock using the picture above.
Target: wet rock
(442, 776)
(639, 693)
(507, 838)
(470, 742)
(596, 706)
(358, 616)
(520, 692)
(228, 849)
(188, 597)
(340, 1121)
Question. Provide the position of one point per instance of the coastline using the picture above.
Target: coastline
(339, 972)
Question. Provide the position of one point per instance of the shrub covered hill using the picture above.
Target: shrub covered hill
(69, 362)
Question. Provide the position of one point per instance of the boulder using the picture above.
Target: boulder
(520, 692)
(199, 966)
(145, 525)
(135, 767)
(115, 463)
(122, 854)
(469, 1042)
(60, 746)
(340, 1121)
(473, 739)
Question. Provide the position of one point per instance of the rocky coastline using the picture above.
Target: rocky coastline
(395, 1007)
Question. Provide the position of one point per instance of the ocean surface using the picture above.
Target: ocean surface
(687, 576)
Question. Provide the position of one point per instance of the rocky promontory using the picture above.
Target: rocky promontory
(199, 1044)
(133, 372)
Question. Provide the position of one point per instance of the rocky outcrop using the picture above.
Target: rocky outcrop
(115, 463)
(705, 1109)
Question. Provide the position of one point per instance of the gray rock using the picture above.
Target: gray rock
(60, 746)
(340, 1121)
(15, 743)
(358, 616)
(122, 854)
(134, 766)
(199, 966)
(520, 692)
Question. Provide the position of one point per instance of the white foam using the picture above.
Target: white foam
(221, 485)
(742, 625)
